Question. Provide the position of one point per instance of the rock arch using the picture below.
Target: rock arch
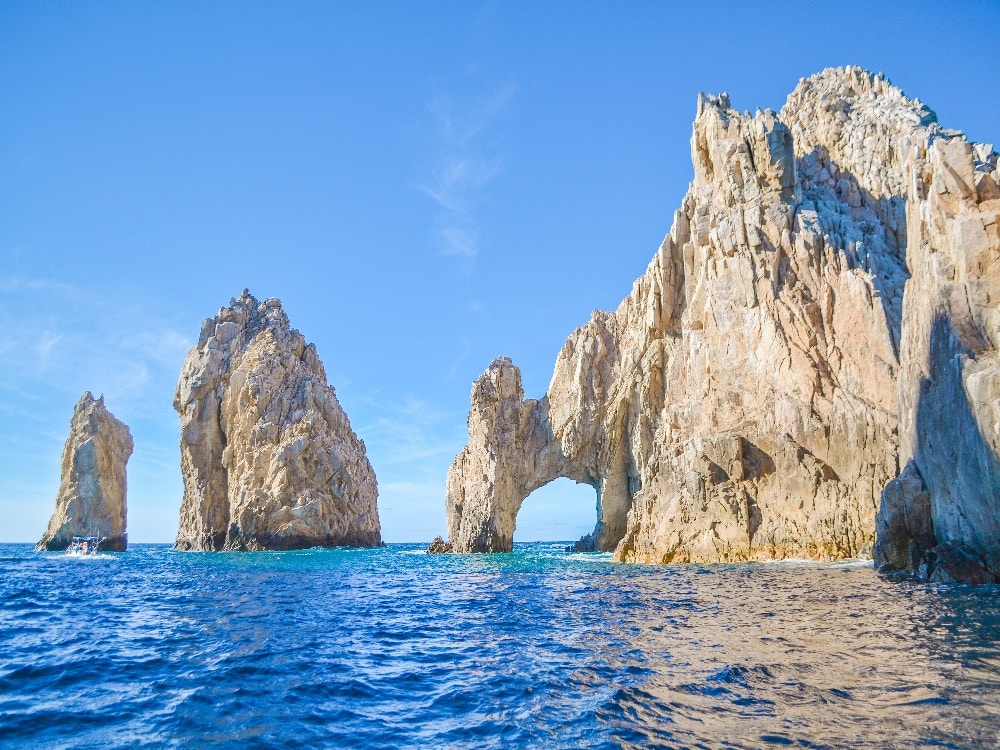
(560, 511)
(515, 447)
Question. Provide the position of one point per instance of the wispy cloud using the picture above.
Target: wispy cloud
(44, 344)
(458, 179)
(56, 336)
(467, 159)
(411, 444)
(461, 240)
(164, 346)
(62, 289)
(58, 339)
(409, 433)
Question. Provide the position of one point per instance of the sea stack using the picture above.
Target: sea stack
(822, 315)
(268, 456)
(92, 488)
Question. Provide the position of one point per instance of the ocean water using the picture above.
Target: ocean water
(537, 648)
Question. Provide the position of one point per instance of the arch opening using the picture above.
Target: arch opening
(559, 511)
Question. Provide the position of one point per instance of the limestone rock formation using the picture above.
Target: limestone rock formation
(92, 490)
(268, 456)
(439, 546)
(754, 394)
(510, 454)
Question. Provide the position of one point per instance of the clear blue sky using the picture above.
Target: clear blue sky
(425, 186)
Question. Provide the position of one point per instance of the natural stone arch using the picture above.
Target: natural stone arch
(513, 451)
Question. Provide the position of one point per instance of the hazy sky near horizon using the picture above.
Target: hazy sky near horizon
(424, 186)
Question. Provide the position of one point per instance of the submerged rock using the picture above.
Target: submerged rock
(954, 564)
(587, 543)
(268, 456)
(92, 488)
(439, 546)
(776, 364)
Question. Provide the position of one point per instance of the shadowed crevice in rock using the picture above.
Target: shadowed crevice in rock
(941, 518)
(868, 232)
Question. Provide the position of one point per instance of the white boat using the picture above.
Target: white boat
(81, 546)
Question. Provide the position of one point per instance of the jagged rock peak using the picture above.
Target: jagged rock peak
(92, 488)
(777, 363)
(268, 456)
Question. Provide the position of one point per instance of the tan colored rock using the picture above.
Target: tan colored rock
(510, 454)
(742, 402)
(439, 546)
(949, 382)
(92, 490)
(903, 525)
(268, 456)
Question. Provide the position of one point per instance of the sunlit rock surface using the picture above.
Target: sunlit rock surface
(92, 488)
(777, 365)
(268, 456)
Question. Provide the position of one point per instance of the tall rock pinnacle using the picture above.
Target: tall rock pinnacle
(92, 490)
(268, 456)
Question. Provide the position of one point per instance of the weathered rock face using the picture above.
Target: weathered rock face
(744, 401)
(91, 500)
(268, 455)
(949, 379)
(439, 546)
(510, 454)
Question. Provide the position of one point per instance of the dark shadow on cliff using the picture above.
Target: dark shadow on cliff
(756, 463)
(956, 464)
(871, 231)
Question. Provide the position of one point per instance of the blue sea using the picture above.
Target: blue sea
(537, 648)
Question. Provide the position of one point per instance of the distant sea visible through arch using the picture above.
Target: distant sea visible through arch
(538, 648)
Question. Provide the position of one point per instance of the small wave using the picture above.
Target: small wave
(85, 558)
(538, 648)
(805, 562)
(791, 561)
(854, 563)
(591, 557)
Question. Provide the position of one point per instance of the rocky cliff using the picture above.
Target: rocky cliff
(92, 489)
(268, 456)
(822, 312)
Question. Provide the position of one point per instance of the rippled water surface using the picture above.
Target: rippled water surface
(538, 648)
